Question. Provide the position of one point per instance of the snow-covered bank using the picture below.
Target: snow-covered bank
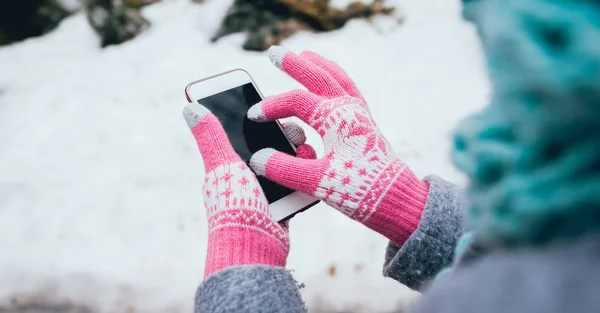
(100, 179)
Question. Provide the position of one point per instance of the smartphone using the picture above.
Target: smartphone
(228, 96)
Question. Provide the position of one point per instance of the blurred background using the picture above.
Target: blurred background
(100, 180)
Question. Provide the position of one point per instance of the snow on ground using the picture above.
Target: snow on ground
(100, 202)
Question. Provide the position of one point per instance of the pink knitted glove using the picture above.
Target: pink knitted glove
(240, 228)
(360, 175)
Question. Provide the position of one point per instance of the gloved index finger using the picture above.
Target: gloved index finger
(336, 71)
(214, 146)
(313, 77)
(299, 103)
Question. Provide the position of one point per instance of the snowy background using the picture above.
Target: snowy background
(100, 179)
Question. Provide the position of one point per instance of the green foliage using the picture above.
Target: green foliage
(136, 4)
(28, 18)
(321, 16)
(3, 38)
(268, 22)
(116, 21)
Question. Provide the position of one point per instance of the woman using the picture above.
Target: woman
(532, 157)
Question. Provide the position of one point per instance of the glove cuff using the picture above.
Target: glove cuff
(244, 237)
(399, 211)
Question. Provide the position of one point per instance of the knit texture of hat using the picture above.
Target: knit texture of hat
(533, 154)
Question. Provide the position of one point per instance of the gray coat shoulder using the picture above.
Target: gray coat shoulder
(563, 277)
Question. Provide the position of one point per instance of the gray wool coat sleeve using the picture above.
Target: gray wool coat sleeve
(431, 247)
(251, 288)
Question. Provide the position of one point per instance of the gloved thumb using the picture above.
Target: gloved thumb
(296, 136)
(215, 148)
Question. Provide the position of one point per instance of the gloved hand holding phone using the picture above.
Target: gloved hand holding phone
(359, 175)
(241, 229)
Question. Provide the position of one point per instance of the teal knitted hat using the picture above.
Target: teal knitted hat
(533, 155)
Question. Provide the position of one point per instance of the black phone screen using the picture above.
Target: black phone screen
(246, 136)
